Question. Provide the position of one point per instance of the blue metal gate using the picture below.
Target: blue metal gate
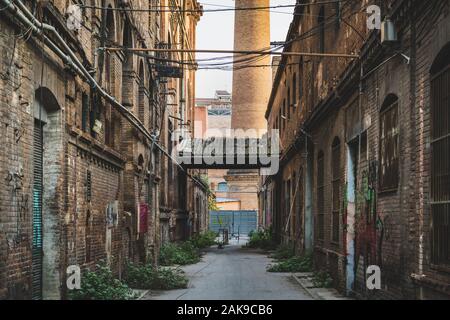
(236, 222)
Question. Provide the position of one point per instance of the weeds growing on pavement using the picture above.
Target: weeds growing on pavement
(181, 254)
(204, 240)
(261, 239)
(283, 252)
(293, 264)
(322, 279)
(187, 252)
(148, 277)
(101, 285)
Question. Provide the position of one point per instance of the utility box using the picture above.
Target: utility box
(388, 32)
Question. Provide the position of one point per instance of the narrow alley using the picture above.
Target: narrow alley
(234, 273)
(138, 136)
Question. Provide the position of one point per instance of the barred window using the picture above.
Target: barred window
(336, 185)
(320, 197)
(141, 94)
(440, 160)
(389, 145)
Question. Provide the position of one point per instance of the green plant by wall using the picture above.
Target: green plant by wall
(204, 240)
(322, 280)
(212, 202)
(283, 252)
(148, 277)
(293, 264)
(101, 285)
(261, 239)
(178, 254)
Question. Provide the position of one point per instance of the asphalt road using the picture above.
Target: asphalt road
(234, 274)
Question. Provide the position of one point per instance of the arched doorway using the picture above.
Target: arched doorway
(46, 148)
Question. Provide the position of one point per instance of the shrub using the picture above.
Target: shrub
(283, 252)
(293, 264)
(322, 280)
(148, 277)
(204, 240)
(101, 285)
(261, 239)
(181, 254)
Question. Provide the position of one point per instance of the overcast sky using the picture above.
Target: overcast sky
(215, 31)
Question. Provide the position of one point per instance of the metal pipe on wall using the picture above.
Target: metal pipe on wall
(27, 18)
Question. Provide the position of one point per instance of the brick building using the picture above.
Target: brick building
(85, 134)
(364, 171)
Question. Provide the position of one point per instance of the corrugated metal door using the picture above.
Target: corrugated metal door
(236, 222)
(37, 212)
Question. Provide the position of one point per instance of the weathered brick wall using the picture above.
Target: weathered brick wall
(15, 238)
(397, 237)
(332, 252)
(432, 36)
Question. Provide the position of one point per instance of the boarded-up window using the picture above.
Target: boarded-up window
(389, 145)
(320, 197)
(440, 165)
(336, 185)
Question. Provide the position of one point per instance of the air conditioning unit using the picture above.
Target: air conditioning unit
(388, 32)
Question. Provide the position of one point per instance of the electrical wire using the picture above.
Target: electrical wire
(179, 10)
(237, 64)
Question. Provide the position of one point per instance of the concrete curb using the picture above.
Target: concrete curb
(141, 293)
(303, 284)
(305, 281)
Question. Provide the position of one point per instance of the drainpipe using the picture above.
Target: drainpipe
(38, 27)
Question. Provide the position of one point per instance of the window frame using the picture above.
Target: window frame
(336, 183)
(320, 191)
(437, 198)
(388, 107)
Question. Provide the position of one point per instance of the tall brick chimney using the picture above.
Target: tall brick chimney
(251, 90)
(251, 86)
